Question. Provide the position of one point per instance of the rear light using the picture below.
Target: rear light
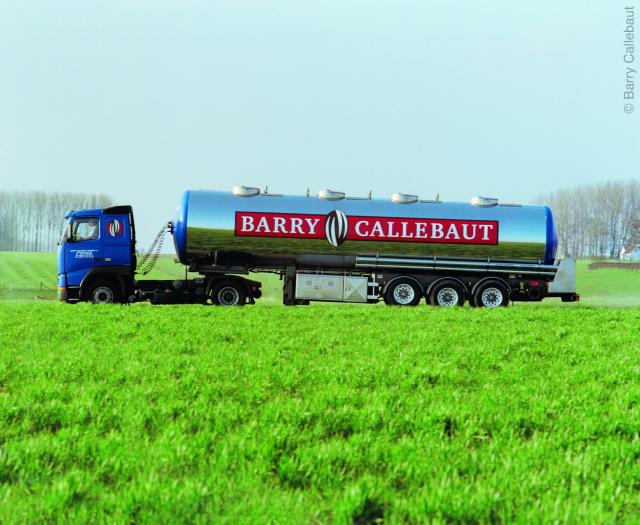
(534, 283)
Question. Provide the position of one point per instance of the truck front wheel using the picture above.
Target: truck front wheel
(103, 292)
(227, 293)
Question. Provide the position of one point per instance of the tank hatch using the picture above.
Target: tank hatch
(483, 202)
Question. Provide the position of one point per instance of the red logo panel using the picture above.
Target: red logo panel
(336, 227)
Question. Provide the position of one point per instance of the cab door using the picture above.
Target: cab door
(116, 240)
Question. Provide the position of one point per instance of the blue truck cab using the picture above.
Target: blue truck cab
(97, 263)
(96, 255)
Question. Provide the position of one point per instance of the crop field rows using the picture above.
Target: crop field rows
(337, 414)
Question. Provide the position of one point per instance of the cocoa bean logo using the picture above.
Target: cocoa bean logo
(335, 227)
(114, 228)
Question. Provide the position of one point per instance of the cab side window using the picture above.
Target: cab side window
(85, 229)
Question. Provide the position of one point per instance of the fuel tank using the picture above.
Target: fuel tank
(248, 221)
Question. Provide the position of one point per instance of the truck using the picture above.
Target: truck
(324, 247)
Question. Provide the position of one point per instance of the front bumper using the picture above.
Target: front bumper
(69, 294)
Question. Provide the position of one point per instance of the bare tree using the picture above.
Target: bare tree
(595, 220)
(31, 221)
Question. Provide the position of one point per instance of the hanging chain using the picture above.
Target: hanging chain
(149, 259)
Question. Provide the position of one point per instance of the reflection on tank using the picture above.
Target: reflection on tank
(203, 240)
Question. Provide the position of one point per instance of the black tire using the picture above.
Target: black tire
(403, 292)
(446, 294)
(229, 292)
(103, 291)
(491, 294)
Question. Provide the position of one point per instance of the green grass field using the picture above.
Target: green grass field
(340, 414)
(145, 414)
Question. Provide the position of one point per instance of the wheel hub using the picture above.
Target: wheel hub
(404, 294)
(491, 297)
(228, 296)
(103, 294)
(447, 297)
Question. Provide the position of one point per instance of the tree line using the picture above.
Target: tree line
(32, 221)
(595, 220)
(592, 221)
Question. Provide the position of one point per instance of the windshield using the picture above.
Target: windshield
(85, 229)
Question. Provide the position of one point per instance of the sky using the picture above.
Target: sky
(143, 99)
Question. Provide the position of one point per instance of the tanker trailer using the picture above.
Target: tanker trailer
(331, 247)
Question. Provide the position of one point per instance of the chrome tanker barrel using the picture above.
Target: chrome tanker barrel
(249, 221)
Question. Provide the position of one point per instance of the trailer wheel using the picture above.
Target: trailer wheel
(447, 294)
(227, 293)
(103, 292)
(491, 294)
(403, 292)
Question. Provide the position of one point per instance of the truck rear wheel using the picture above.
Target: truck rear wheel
(447, 293)
(491, 294)
(227, 293)
(103, 292)
(403, 292)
